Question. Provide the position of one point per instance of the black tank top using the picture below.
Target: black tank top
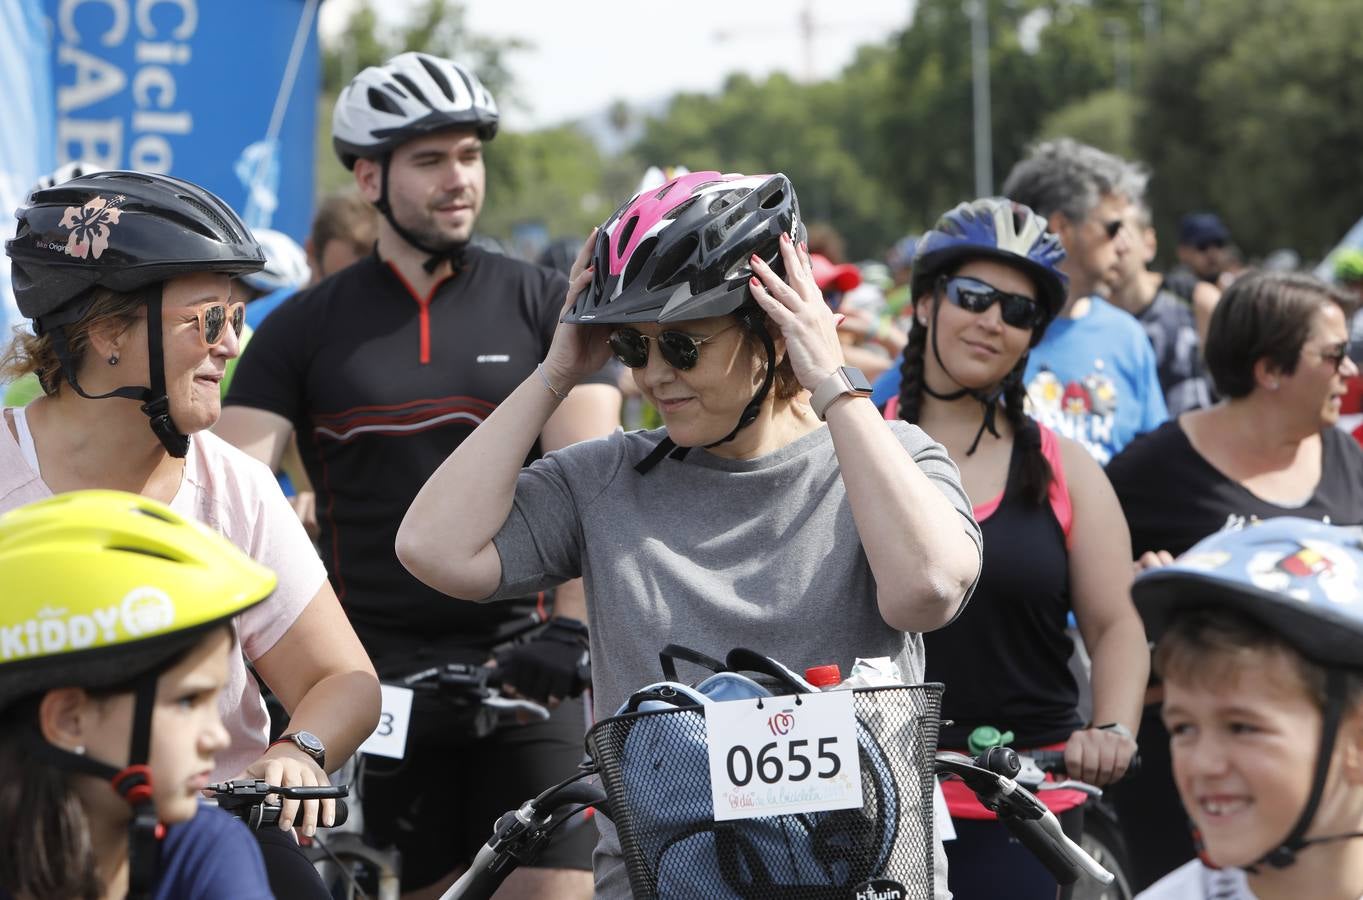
(1005, 660)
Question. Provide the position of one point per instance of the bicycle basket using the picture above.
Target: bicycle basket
(655, 770)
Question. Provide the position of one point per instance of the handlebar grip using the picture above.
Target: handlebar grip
(263, 815)
(1035, 839)
(487, 872)
(1053, 761)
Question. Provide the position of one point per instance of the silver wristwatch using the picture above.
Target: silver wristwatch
(843, 380)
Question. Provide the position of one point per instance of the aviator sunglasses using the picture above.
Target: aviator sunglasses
(680, 349)
(214, 318)
(973, 295)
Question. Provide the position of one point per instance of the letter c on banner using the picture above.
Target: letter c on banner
(189, 18)
(66, 15)
(157, 78)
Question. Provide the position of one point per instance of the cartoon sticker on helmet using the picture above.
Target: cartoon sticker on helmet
(147, 610)
(90, 226)
(1315, 565)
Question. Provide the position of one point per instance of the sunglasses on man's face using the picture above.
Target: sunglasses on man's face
(973, 295)
(679, 349)
(1204, 246)
(214, 319)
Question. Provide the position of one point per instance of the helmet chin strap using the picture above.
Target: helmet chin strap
(1285, 854)
(133, 783)
(454, 254)
(155, 403)
(989, 398)
(754, 321)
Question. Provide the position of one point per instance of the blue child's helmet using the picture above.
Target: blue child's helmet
(1301, 579)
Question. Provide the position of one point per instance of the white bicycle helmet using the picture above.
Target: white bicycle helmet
(286, 265)
(410, 95)
(64, 173)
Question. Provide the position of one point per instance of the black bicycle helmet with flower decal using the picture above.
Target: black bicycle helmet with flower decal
(127, 232)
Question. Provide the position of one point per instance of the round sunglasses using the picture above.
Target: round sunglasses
(977, 296)
(679, 349)
(214, 319)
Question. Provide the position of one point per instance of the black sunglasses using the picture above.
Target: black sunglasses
(973, 295)
(680, 349)
(1336, 354)
(1204, 246)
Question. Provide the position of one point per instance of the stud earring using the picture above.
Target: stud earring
(79, 749)
(113, 359)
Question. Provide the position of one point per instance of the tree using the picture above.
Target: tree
(1251, 108)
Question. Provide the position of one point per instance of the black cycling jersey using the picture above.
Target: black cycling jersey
(381, 387)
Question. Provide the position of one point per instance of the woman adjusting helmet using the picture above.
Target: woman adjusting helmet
(126, 232)
(989, 228)
(104, 591)
(682, 252)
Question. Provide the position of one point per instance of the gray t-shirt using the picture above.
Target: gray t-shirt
(710, 553)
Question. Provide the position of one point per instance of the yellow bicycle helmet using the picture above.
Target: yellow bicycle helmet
(97, 587)
(101, 589)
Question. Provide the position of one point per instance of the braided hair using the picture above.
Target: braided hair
(1035, 473)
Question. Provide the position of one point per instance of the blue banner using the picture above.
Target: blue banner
(26, 129)
(221, 93)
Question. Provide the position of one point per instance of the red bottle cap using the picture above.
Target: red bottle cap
(824, 676)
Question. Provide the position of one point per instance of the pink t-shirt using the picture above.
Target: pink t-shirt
(238, 497)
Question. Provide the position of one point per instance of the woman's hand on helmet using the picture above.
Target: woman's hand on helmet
(286, 766)
(577, 350)
(797, 307)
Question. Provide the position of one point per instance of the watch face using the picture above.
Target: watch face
(310, 742)
(856, 379)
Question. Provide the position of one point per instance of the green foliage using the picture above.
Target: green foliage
(1105, 119)
(1251, 109)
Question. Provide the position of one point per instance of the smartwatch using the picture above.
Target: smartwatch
(309, 743)
(843, 380)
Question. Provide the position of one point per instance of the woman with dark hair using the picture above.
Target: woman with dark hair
(1278, 351)
(985, 285)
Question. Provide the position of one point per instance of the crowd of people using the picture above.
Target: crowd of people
(1013, 444)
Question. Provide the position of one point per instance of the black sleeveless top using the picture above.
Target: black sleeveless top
(1005, 660)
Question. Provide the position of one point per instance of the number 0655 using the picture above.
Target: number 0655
(770, 769)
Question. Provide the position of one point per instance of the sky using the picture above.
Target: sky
(586, 55)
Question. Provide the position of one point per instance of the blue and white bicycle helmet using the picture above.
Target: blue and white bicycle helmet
(1301, 579)
(994, 228)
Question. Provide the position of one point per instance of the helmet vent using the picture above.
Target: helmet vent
(154, 514)
(438, 77)
(223, 228)
(637, 260)
(667, 267)
(625, 234)
(143, 551)
(774, 199)
(382, 102)
(411, 87)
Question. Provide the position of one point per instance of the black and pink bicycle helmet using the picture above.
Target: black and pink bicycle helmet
(681, 251)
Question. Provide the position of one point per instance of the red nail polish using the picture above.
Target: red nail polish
(754, 282)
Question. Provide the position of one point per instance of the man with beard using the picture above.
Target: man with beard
(382, 370)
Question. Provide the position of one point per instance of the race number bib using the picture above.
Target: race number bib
(390, 737)
(784, 756)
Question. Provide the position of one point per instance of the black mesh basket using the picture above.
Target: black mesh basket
(655, 769)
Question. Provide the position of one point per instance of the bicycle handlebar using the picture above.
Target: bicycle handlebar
(1022, 813)
(245, 799)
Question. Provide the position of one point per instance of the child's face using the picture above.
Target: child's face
(186, 732)
(1244, 754)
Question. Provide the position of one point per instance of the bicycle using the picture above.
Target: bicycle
(894, 821)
